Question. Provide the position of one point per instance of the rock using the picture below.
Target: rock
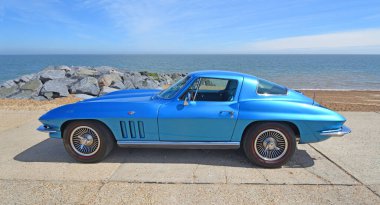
(83, 72)
(40, 98)
(166, 80)
(108, 79)
(117, 85)
(128, 84)
(176, 76)
(27, 78)
(148, 83)
(55, 88)
(84, 96)
(8, 84)
(64, 68)
(106, 89)
(153, 76)
(33, 85)
(51, 74)
(88, 85)
(6, 92)
(24, 94)
(137, 80)
(106, 70)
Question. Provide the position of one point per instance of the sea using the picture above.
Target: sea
(332, 72)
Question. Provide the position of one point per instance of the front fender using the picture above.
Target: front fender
(109, 113)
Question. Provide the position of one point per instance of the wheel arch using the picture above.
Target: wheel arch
(292, 126)
(66, 123)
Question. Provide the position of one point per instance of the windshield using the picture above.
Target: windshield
(173, 90)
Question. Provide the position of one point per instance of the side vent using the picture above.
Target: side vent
(141, 129)
(123, 129)
(132, 129)
(129, 130)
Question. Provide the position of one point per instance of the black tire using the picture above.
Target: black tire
(269, 153)
(102, 141)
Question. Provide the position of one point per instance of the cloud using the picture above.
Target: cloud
(359, 41)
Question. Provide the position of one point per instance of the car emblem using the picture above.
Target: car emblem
(131, 112)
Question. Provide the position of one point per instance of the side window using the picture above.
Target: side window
(212, 89)
(268, 88)
(213, 84)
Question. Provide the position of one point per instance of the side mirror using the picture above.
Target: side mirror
(188, 100)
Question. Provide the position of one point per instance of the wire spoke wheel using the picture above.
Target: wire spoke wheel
(271, 145)
(84, 141)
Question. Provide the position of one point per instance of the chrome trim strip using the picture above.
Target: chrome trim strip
(337, 133)
(179, 145)
(44, 128)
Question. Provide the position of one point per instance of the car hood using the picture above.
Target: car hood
(112, 105)
(142, 95)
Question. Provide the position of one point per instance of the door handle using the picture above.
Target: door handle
(228, 111)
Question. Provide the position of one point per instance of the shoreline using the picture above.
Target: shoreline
(353, 100)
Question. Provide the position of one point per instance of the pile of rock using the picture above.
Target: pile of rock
(84, 82)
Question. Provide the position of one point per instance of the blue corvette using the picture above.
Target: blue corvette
(204, 110)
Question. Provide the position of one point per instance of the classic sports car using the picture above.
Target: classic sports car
(204, 110)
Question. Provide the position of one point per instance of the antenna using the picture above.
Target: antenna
(313, 97)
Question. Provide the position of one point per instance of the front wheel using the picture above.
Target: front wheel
(269, 144)
(87, 141)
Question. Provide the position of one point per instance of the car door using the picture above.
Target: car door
(209, 113)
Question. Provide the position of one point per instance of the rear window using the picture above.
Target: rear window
(268, 88)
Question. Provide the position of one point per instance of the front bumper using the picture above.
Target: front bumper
(337, 132)
(44, 128)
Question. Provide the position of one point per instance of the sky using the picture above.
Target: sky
(189, 27)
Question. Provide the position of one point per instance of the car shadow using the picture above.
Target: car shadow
(52, 150)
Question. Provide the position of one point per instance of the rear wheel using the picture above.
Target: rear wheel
(269, 144)
(87, 141)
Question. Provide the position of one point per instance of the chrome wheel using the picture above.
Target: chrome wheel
(271, 145)
(85, 141)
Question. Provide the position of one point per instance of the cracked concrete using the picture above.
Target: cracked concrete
(35, 169)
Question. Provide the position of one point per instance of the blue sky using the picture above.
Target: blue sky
(199, 26)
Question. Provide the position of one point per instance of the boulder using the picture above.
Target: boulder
(6, 92)
(83, 72)
(33, 85)
(40, 98)
(55, 88)
(24, 94)
(106, 70)
(137, 80)
(106, 89)
(8, 84)
(118, 85)
(88, 85)
(127, 81)
(176, 76)
(27, 78)
(128, 84)
(51, 74)
(149, 84)
(108, 79)
(64, 68)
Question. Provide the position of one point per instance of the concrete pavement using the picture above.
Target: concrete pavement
(35, 169)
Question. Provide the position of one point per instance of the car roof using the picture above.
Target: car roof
(220, 73)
